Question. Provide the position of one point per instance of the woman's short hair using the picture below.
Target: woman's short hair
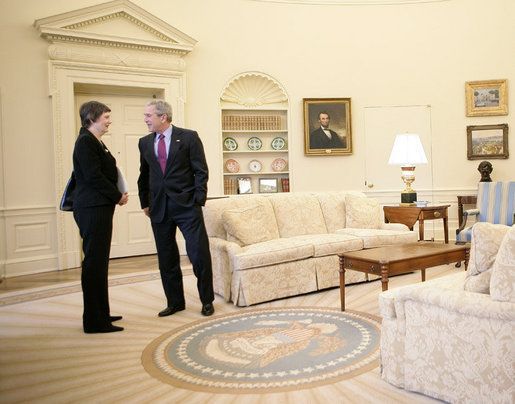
(90, 111)
(162, 108)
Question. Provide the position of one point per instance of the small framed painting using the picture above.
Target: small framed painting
(267, 185)
(244, 185)
(486, 98)
(487, 142)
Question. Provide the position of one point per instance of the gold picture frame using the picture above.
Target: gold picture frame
(336, 137)
(487, 142)
(486, 98)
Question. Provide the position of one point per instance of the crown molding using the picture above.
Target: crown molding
(350, 2)
(139, 30)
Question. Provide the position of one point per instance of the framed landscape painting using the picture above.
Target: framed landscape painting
(327, 126)
(487, 142)
(486, 98)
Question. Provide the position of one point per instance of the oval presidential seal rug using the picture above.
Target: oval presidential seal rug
(266, 350)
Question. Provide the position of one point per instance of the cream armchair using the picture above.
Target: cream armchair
(453, 338)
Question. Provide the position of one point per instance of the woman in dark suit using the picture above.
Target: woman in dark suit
(96, 196)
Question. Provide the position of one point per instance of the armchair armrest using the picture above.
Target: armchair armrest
(466, 214)
(469, 304)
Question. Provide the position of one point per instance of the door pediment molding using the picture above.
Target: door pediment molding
(134, 28)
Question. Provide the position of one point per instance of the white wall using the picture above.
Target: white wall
(377, 55)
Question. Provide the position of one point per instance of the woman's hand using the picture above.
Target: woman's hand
(124, 199)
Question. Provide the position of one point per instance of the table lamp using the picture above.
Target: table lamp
(407, 151)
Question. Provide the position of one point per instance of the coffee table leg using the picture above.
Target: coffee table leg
(342, 283)
(423, 272)
(384, 277)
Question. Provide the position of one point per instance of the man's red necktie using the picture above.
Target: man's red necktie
(161, 152)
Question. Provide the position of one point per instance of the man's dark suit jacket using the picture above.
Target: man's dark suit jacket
(319, 140)
(95, 171)
(185, 177)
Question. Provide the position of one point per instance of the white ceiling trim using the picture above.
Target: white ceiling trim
(351, 2)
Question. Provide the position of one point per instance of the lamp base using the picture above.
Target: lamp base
(408, 197)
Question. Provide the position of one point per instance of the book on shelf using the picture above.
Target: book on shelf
(285, 184)
(230, 186)
(251, 122)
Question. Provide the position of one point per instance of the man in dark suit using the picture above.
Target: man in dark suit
(325, 138)
(172, 189)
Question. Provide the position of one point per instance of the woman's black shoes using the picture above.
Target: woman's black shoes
(105, 329)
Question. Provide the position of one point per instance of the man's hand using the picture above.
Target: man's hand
(124, 199)
(146, 211)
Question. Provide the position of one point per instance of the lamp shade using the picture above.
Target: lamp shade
(407, 150)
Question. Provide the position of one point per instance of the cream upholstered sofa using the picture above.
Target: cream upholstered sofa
(268, 247)
(453, 338)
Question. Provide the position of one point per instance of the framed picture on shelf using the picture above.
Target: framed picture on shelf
(486, 98)
(327, 126)
(267, 185)
(487, 142)
(244, 185)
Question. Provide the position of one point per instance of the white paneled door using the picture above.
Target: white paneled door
(132, 233)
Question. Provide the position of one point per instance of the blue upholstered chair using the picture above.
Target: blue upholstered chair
(495, 204)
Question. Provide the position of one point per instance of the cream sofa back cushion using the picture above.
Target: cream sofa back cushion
(333, 208)
(502, 282)
(486, 240)
(249, 225)
(362, 213)
(298, 214)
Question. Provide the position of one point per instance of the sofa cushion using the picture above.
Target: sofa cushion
(333, 208)
(330, 244)
(249, 225)
(486, 240)
(381, 237)
(502, 282)
(215, 207)
(362, 213)
(298, 214)
(271, 252)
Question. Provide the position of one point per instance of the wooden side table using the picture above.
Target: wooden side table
(409, 215)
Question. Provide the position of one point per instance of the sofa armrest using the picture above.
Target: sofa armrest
(222, 270)
(394, 226)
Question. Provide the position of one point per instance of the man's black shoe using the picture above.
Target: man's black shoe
(170, 310)
(98, 330)
(112, 319)
(207, 309)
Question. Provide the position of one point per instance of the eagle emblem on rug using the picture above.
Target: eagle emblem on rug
(273, 340)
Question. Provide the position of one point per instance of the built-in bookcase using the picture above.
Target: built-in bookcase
(254, 136)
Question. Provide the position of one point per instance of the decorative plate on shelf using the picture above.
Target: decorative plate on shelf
(254, 143)
(232, 166)
(230, 144)
(278, 143)
(255, 166)
(279, 164)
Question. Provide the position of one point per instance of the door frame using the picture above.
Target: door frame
(64, 76)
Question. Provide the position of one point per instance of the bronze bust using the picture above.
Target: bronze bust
(485, 168)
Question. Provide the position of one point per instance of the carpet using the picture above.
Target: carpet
(266, 350)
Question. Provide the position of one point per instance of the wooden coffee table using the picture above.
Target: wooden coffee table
(400, 259)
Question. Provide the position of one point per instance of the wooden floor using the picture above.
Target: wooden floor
(45, 357)
(118, 266)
